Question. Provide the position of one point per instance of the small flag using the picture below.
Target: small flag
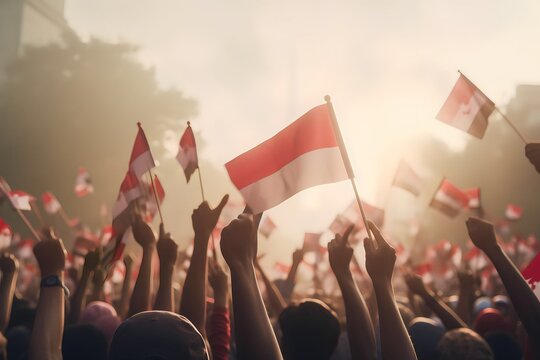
(5, 234)
(407, 179)
(502, 226)
(83, 183)
(151, 206)
(50, 203)
(311, 242)
(449, 199)
(267, 226)
(304, 154)
(130, 190)
(141, 159)
(187, 153)
(513, 212)
(474, 197)
(20, 200)
(467, 108)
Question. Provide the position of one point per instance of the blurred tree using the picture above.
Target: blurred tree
(77, 104)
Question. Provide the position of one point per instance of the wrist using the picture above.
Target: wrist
(52, 272)
(221, 299)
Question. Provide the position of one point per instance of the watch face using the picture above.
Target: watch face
(50, 281)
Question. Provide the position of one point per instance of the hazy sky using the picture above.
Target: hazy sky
(255, 66)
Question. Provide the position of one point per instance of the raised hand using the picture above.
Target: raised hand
(167, 249)
(50, 254)
(91, 261)
(8, 263)
(142, 232)
(204, 218)
(340, 253)
(380, 256)
(532, 151)
(219, 281)
(416, 285)
(298, 256)
(239, 242)
(482, 234)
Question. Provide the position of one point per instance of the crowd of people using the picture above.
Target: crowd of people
(238, 312)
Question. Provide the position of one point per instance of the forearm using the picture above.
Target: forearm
(254, 336)
(448, 317)
(7, 289)
(291, 277)
(193, 304)
(464, 306)
(359, 325)
(395, 340)
(275, 298)
(124, 300)
(78, 299)
(46, 339)
(164, 296)
(140, 299)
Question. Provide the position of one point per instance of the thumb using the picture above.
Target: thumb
(346, 234)
(222, 203)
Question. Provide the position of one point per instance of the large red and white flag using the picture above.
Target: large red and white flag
(141, 159)
(532, 274)
(83, 183)
(267, 226)
(513, 212)
(304, 154)
(50, 203)
(407, 179)
(187, 153)
(474, 197)
(21, 200)
(467, 108)
(449, 199)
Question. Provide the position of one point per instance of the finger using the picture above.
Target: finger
(377, 234)
(222, 203)
(346, 235)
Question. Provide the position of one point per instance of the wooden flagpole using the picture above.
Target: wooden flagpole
(21, 215)
(155, 195)
(37, 213)
(347, 162)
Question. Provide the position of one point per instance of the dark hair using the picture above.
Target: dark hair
(18, 343)
(310, 330)
(503, 345)
(84, 342)
(463, 344)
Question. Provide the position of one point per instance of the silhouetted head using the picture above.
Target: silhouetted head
(18, 342)
(425, 335)
(503, 345)
(103, 316)
(490, 320)
(84, 342)
(310, 330)
(463, 344)
(157, 335)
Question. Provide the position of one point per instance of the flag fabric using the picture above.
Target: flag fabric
(311, 242)
(130, 190)
(474, 197)
(467, 108)
(531, 273)
(5, 234)
(20, 200)
(407, 179)
(141, 159)
(50, 203)
(513, 212)
(304, 154)
(83, 183)
(449, 199)
(151, 205)
(267, 227)
(187, 153)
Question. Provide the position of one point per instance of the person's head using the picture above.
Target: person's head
(490, 320)
(18, 343)
(503, 304)
(84, 342)
(425, 335)
(103, 316)
(310, 330)
(153, 335)
(503, 345)
(463, 344)
(481, 303)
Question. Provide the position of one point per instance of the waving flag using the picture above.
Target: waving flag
(532, 274)
(20, 200)
(407, 179)
(83, 183)
(152, 206)
(449, 199)
(5, 234)
(141, 159)
(467, 108)
(304, 154)
(187, 153)
(130, 190)
(474, 197)
(50, 203)
(513, 212)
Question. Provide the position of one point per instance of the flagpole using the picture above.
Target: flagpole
(347, 162)
(37, 213)
(22, 216)
(155, 194)
(498, 110)
(64, 216)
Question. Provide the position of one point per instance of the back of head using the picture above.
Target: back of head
(84, 342)
(425, 335)
(490, 320)
(103, 316)
(503, 345)
(310, 330)
(18, 343)
(463, 344)
(157, 335)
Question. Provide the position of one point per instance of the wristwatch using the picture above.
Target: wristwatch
(52, 281)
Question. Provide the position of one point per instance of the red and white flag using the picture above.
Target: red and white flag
(130, 190)
(21, 200)
(152, 206)
(532, 274)
(449, 199)
(407, 179)
(467, 108)
(83, 183)
(513, 212)
(50, 203)
(141, 159)
(474, 197)
(311, 242)
(187, 153)
(304, 154)
(267, 227)
(5, 234)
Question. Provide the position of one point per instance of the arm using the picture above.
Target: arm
(167, 253)
(78, 298)
(466, 295)
(275, 299)
(298, 255)
(9, 266)
(523, 298)
(140, 299)
(359, 326)
(193, 303)
(380, 260)
(254, 336)
(449, 318)
(219, 328)
(46, 339)
(126, 287)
